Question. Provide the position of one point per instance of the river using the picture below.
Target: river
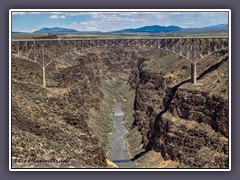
(118, 153)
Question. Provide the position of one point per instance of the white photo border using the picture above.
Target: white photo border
(117, 10)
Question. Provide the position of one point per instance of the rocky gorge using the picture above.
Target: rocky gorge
(171, 122)
(185, 123)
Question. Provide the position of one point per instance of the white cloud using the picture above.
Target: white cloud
(37, 13)
(54, 17)
(111, 21)
(23, 13)
(176, 13)
(57, 17)
(18, 13)
(84, 22)
(73, 25)
(27, 30)
(57, 12)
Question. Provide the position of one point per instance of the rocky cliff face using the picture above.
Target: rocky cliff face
(53, 122)
(186, 124)
(201, 107)
(69, 118)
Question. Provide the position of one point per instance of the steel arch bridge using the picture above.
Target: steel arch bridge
(193, 49)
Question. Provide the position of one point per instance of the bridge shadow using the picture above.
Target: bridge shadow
(212, 68)
(174, 89)
(122, 161)
(139, 155)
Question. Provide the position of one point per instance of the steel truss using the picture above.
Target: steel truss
(45, 51)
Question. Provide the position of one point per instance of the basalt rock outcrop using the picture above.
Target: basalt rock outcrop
(187, 124)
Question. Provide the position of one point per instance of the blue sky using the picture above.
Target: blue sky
(110, 21)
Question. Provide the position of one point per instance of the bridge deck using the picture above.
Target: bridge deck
(127, 38)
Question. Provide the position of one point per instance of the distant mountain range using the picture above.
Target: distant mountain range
(155, 29)
(174, 29)
(215, 28)
(55, 30)
(150, 29)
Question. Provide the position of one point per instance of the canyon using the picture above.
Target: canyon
(170, 122)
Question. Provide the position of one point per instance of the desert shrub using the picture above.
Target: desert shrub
(184, 67)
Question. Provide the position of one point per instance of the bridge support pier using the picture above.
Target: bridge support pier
(43, 67)
(44, 77)
(194, 72)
